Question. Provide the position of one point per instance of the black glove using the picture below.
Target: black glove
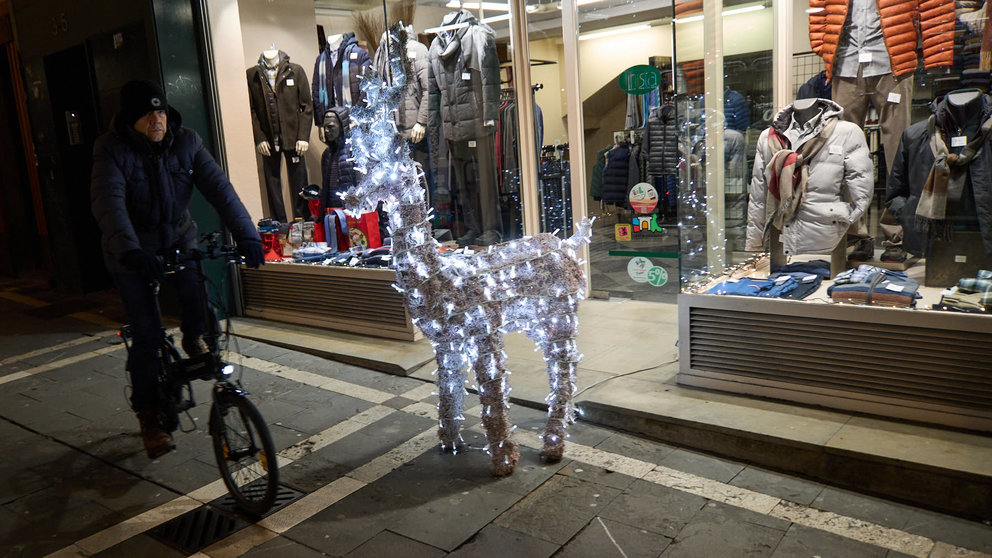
(146, 265)
(251, 251)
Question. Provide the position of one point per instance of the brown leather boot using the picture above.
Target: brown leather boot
(157, 441)
(195, 346)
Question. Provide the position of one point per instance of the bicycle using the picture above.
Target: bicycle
(242, 443)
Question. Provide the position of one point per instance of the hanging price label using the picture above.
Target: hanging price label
(640, 79)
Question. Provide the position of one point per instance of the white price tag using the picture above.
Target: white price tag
(947, 292)
(353, 261)
(471, 143)
(290, 82)
(466, 76)
(732, 280)
(781, 279)
(894, 288)
(354, 56)
(836, 149)
(809, 278)
(895, 98)
(960, 259)
(864, 58)
(959, 141)
(411, 55)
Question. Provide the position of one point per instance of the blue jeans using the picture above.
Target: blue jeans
(146, 326)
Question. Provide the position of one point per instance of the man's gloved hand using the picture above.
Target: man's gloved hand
(251, 251)
(146, 265)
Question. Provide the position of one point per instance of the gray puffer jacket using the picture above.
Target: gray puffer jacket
(838, 191)
(415, 101)
(140, 192)
(464, 78)
(660, 145)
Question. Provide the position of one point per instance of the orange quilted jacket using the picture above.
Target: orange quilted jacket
(902, 21)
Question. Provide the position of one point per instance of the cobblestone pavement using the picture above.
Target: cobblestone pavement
(360, 448)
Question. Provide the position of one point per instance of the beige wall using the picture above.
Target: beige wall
(225, 27)
(291, 26)
(602, 59)
(551, 99)
(742, 33)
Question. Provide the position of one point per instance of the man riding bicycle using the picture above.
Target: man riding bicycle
(144, 171)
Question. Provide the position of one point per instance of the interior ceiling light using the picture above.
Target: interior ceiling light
(452, 27)
(734, 11)
(493, 6)
(616, 31)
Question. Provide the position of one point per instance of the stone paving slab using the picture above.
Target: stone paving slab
(804, 541)
(655, 508)
(508, 543)
(774, 484)
(605, 537)
(720, 530)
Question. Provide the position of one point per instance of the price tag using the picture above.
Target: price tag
(471, 143)
(781, 279)
(290, 82)
(836, 149)
(864, 58)
(894, 288)
(959, 141)
(960, 259)
(353, 261)
(947, 292)
(411, 55)
(466, 76)
(354, 56)
(895, 98)
(732, 280)
(809, 278)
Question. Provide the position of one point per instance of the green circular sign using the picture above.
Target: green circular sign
(657, 276)
(640, 79)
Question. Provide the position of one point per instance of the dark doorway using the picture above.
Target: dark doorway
(74, 109)
(19, 250)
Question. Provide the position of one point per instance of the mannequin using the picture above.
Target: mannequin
(282, 117)
(822, 169)
(337, 76)
(464, 99)
(867, 62)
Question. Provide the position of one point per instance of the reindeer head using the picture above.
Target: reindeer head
(379, 152)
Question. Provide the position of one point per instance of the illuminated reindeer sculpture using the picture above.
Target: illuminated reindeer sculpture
(465, 304)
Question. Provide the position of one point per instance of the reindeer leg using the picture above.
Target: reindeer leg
(451, 390)
(561, 354)
(490, 374)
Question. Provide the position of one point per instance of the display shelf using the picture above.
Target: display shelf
(921, 365)
(356, 300)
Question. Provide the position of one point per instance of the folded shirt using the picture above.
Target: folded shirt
(818, 267)
(871, 285)
(750, 286)
(806, 283)
(980, 284)
(972, 303)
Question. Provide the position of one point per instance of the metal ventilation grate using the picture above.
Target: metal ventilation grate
(199, 528)
(906, 362)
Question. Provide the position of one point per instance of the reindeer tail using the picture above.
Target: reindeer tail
(581, 236)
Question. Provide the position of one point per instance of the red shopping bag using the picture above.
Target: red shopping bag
(363, 230)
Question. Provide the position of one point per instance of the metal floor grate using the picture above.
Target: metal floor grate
(199, 528)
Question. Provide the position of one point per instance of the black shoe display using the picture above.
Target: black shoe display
(896, 255)
(488, 238)
(467, 238)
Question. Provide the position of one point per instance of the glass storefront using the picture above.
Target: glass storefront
(690, 147)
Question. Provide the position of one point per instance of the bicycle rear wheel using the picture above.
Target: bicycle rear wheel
(245, 453)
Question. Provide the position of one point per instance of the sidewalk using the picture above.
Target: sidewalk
(626, 380)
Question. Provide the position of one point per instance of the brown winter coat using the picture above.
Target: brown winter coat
(902, 21)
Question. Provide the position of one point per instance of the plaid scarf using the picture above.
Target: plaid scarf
(949, 171)
(787, 173)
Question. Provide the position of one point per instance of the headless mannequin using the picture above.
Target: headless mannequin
(963, 105)
(271, 58)
(803, 111)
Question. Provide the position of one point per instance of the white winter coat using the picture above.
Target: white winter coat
(838, 192)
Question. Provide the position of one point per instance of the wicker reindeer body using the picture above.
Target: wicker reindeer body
(465, 304)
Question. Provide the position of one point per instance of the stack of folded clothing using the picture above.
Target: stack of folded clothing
(971, 294)
(749, 286)
(808, 276)
(871, 285)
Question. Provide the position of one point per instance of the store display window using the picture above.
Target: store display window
(458, 116)
(866, 181)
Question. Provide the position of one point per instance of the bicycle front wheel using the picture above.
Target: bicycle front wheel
(245, 454)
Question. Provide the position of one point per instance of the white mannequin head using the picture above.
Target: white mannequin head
(271, 56)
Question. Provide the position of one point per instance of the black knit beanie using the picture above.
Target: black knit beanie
(140, 97)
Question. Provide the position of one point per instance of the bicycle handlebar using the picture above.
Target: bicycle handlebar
(177, 260)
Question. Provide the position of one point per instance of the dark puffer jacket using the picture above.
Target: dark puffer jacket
(140, 193)
(328, 79)
(912, 165)
(660, 144)
(464, 78)
(293, 110)
(415, 102)
(616, 174)
(736, 111)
